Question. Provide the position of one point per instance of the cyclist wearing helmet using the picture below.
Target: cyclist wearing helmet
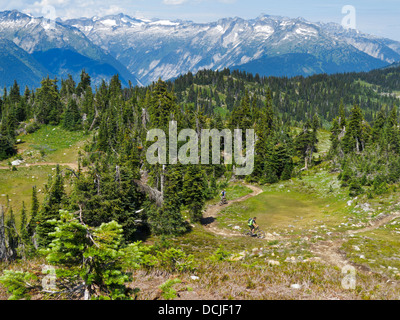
(252, 224)
(223, 195)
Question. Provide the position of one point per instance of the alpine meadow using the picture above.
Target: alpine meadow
(161, 160)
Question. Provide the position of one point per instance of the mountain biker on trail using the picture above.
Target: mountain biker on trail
(252, 224)
(223, 195)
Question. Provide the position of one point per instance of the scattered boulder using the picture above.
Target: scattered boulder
(366, 207)
(238, 257)
(273, 263)
(17, 162)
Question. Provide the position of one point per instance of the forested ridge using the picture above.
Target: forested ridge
(297, 99)
(115, 197)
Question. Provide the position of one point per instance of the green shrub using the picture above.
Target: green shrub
(355, 188)
(175, 260)
(220, 254)
(17, 284)
(32, 127)
(167, 292)
(380, 185)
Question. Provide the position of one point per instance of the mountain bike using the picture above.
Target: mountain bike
(258, 233)
(223, 201)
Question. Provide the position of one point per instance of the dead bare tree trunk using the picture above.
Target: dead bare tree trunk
(118, 175)
(153, 193)
(86, 295)
(97, 182)
(145, 118)
(162, 179)
(307, 158)
(3, 249)
(34, 241)
(94, 119)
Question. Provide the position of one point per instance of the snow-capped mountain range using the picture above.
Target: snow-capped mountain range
(144, 50)
(52, 48)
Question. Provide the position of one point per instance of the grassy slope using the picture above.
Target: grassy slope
(377, 250)
(302, 211)
(60, 146)
(299, 213)
(266, 269)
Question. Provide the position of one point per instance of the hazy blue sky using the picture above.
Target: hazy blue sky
(381, 18)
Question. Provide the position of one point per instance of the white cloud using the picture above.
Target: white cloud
(67, 9)
(174, 2)
(46, 8)
(113, 9)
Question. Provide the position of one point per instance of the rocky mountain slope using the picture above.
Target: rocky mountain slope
(141, 51)
(268, 45)
(40, 37)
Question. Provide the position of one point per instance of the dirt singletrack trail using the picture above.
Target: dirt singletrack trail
(377, 223)
(209, 220)
(329, 251)
(73, 166)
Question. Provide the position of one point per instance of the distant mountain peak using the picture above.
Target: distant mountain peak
(148, 49)
(38, 35)
(165, 48)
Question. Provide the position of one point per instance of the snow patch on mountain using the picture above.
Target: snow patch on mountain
(266, 30)
(153, 48)
(109, 22)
